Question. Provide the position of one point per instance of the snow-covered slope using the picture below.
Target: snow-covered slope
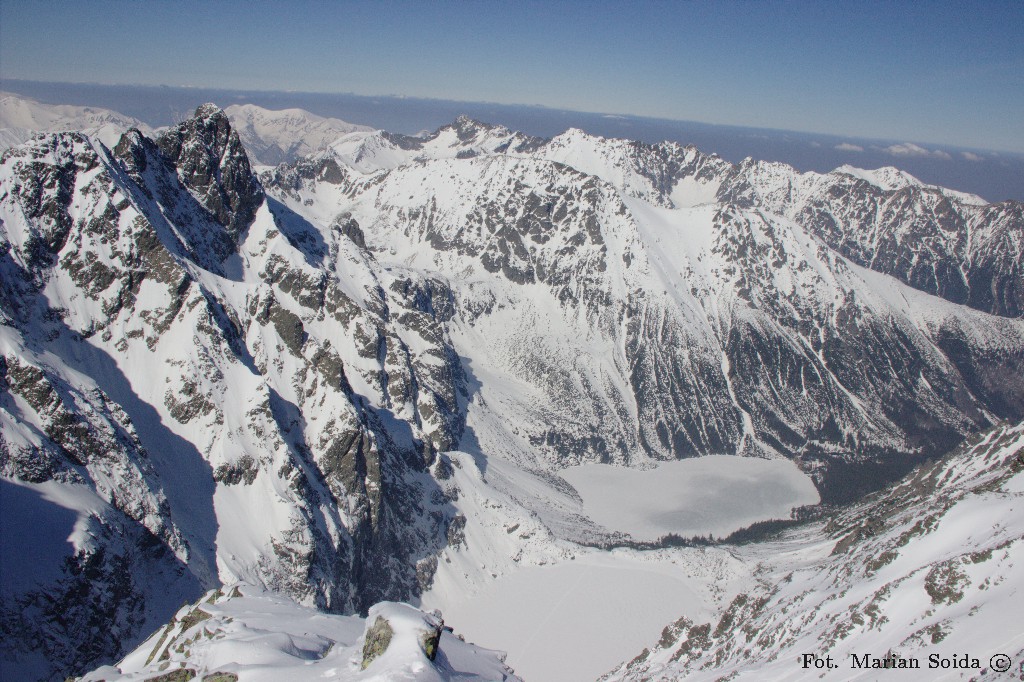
(925, 571)
(271, 137)
(940, 241)
(614, 329)
(244, 633)
(21, 118)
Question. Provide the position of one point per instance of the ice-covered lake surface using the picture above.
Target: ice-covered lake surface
(704, 495)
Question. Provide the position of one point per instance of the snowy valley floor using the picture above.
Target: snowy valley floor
(569, 613)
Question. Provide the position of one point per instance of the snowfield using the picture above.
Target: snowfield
(713, 495)
(573, 621)
(563, 612)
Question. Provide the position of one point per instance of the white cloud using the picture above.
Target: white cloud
(847, 147)
(911, 149)
(972, 157)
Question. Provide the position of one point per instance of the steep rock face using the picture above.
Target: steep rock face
(934, 558)
(238, 393)
(707, 328)
(212, 165)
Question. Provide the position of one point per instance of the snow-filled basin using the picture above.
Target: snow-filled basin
(576, 620)
(705, 495)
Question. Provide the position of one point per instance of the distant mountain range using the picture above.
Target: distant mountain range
(21, 118)
(355, 377)
(273, 137)
(269, 137)
(993, 174)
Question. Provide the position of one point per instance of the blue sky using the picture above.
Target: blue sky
(938, 72)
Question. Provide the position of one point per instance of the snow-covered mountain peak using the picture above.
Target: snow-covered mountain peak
(572, 134)
(272, 137)
(665, 174)
(212, 164)
(887, 178)
(208, 111)
(21, 118)
(470, 127)
(891, 179)
(472, 137)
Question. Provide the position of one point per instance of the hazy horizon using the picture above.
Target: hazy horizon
(993, 175)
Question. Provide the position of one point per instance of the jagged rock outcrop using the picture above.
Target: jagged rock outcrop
(175, 345)
(212, 165)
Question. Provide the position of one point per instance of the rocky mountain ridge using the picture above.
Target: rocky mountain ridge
(943, 242)
(744, 291)
(155, 363)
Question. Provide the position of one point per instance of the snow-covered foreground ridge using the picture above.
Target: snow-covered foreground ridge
(355, 378)
(240, 633)
(924, 576)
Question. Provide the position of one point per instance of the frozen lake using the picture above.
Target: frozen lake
(577, 619)
(717, 495)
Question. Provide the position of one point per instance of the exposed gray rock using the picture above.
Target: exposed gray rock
(212, 165)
